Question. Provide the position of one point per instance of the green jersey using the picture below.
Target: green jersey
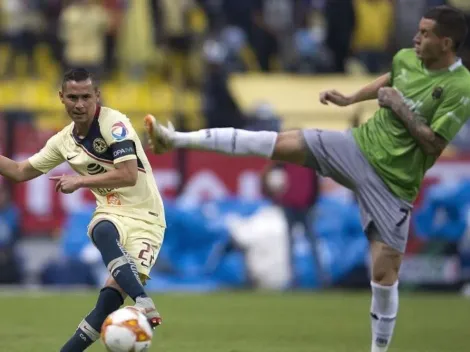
(441, 97)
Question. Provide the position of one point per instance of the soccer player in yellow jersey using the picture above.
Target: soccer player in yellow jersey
(129, 222)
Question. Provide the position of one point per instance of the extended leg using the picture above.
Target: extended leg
(285, 146)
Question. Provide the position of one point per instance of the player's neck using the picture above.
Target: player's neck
(442, 63)
(81, 129)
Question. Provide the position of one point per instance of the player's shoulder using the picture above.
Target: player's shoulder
(63, 133)
(459, 80)
(407, 54)
(108, 115)
(114, 125)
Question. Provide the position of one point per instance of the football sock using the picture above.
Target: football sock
(120, 265)
(383, 312)
(229, 141)
(89, 329)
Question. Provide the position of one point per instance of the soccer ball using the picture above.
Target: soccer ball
(126, 330)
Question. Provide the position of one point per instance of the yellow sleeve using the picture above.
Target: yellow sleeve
(120, 136)
(48, 157)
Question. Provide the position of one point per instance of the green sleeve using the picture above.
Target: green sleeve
(451, 114)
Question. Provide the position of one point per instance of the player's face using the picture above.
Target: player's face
(428, 45)
(80, 100)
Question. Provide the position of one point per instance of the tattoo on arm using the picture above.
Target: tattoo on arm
(430, 142)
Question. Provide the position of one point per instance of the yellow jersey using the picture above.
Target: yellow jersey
(110, 140)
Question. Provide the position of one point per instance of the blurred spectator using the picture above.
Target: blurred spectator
(84, 25)
(275, 23)
(238, 13)
(22, 23)
(408, 13)
(340, 18)
(372, 32)
(116, 10)
(176, 33)
(296, 190)
(51, 10)
(10, 271)
(263, 118)
(219, 107)
(311, 54)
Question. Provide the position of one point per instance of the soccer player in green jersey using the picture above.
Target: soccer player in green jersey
(424, 101)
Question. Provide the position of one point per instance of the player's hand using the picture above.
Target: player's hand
(335, 97)
(389, 97)
(66, 184)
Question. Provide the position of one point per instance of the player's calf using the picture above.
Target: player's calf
(89, 329)
(384, 306)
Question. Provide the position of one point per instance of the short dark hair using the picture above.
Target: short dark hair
(77, 75)
(450, 22)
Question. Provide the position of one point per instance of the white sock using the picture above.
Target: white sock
(229, 141)
(383, 312)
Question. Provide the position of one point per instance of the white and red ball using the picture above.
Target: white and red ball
(126, 330)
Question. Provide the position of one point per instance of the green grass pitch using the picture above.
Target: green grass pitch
(248, 322)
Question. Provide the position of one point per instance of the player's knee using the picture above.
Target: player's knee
(384, 276)
(385, 271)
(103, 233)
(290, 147)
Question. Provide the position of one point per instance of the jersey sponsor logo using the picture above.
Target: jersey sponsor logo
(119, 131)
(113, 199)
(95, 169)
(123, 152)
(99, 145)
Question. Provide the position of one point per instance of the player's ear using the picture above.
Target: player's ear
(447, 44)
(98, 95)
(61, 96)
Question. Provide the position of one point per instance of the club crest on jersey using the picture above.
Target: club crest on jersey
(99, 145)
(437, 93)
(119, 131)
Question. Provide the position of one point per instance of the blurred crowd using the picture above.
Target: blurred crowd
(196, 44)
(303, 36)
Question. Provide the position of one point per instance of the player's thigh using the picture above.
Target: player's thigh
(143, 244)
(334, 154)
(384, 217)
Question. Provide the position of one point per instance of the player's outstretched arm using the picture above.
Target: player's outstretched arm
(125, 175)
(17, 171)
(286, 146)
(368, 92)
(430, 142)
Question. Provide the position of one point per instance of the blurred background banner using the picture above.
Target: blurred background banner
(253, 64)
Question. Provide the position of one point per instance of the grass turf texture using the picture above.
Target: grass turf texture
(248, 322)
